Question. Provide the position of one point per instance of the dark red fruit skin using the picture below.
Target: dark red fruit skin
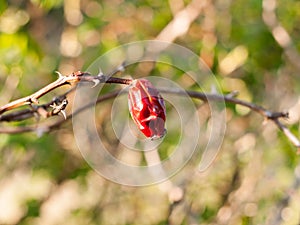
(147, 108)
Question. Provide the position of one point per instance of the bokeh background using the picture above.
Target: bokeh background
(251, 46)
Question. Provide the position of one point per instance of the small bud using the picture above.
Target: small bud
(147, 108)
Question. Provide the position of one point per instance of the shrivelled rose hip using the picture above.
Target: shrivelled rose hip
(147, 108)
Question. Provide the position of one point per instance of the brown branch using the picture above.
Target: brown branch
(42, 110)
(288, 134)
(273, 116)
(45, 127)
(33, 98)
(73, 78)
(230, 99)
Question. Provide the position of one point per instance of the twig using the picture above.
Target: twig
(273, 116)
(43, 128)
(42, 110)
(288, 133)
(230, 99)
(73, 78)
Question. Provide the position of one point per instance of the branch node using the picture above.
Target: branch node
(37, 111)
(275, 115)
(34, 100)
(59, 108)
(285, 114)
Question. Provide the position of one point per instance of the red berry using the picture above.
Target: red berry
(147, 108)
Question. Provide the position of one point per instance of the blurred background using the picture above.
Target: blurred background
(251, 46)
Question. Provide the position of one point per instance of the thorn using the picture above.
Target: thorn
(96, 82)
(121, 68)
(59, 108)
(59, 74)
(100, 72)
(63, 112)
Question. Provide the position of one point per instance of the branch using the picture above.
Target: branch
(73, 78)
(24, 114)
(288, 134)
(273, 116)
(44, 127)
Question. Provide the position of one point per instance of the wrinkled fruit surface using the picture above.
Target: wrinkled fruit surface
(147, 108)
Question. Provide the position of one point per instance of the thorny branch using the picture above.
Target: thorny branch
(58, 104)
(73, 78)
